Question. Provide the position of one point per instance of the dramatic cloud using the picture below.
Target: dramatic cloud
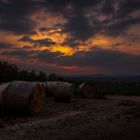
(106, 59)
(79, 27)
(49, 57)
(71, 41)
(5, 45)
(38, 42)
(118, 27)
(15, 16)
(64, 33)
(126, 7)
(19, 53)
(43, 29)
(26, 38)
(44, 42)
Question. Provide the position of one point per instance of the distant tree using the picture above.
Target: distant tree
(60, 79)
(52, 77)
(10, 72)
(24, 75)
(32, 76)
(42, 76)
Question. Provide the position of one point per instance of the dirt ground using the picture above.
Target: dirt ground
(112, 118)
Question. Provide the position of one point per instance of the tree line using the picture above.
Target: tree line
(10, 72)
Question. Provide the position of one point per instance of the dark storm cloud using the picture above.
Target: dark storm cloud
(119, 27)
(74, 11)
(121, 17)
(126, 7)
(4, 45)
(33, 33)
(133, 38)
(27, 47)
(19, 53)
(18, 26)
(118, 18)
(71, 41)
(38, 42)
(79, 27)
(54, 29)
(44, 42)
(25, 53)
(84, 19)
(78, 24)
(48, 57)
(108, 7)
(106, 58)
(111, 60)
(43, 29)
(15, 16)
(26, 38)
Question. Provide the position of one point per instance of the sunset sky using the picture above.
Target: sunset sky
(71, 37)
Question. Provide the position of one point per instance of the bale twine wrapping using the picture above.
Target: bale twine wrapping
(63, 92)
(88, 90)
(25, 97)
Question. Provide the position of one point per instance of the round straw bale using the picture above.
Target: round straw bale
(22, 96)
(63, 92)
(88, 90)
(50, 85)
(3, 88)
(43, 88)
(46, 89)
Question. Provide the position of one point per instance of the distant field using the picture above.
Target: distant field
(112, 86)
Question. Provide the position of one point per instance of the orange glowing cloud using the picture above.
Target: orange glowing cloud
(9, 37)
(57, 35)
(68, 51)
(100, 41)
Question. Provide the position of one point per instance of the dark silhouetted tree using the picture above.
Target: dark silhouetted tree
(60, 78)
(52, 77)
(42, 76)
(10, 72)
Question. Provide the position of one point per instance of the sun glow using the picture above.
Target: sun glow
(55, 36)
(67, 51)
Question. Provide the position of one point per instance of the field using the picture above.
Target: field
(114, 116)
